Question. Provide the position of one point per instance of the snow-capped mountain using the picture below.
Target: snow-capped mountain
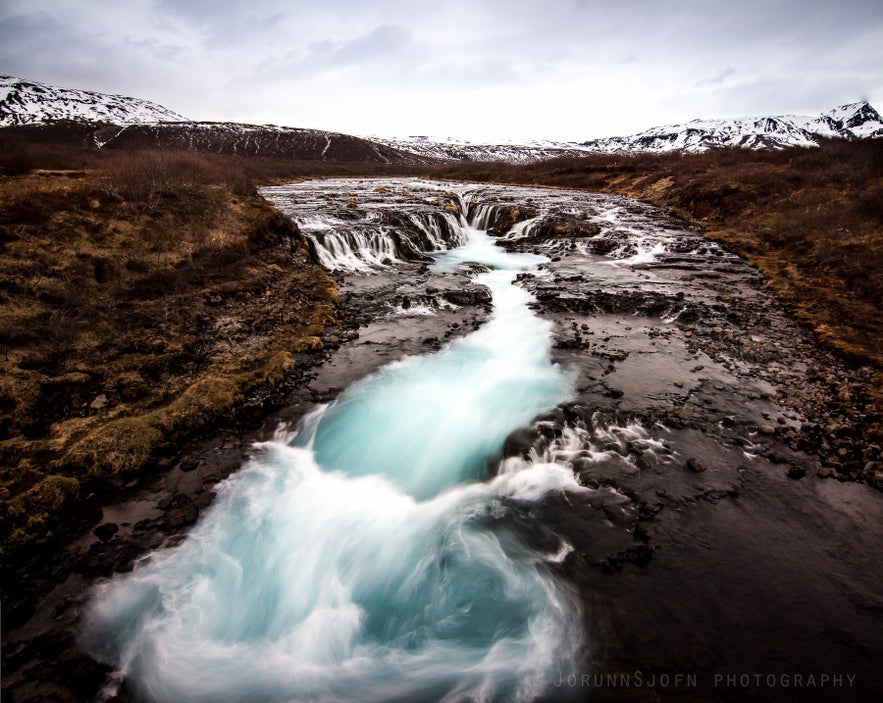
(26, 102)
(254, 140)
(853, 121)
(118, 122)
(443, 149)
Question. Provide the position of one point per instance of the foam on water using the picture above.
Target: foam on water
(308, 584)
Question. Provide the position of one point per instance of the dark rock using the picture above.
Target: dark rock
(180, 517)
(551, 424)
(566, 225)
(80, 673)
(646, 511)
(640, 554)
(796, 472)
(143, 526)
(106, 531)
(520, 442)
(504, 218)
(603, 245)
(473, 269)
(696, 465)
(181, 511)
(103, 558)
(547, 294)
(475, 296)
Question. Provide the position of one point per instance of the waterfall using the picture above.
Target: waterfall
(482, 215)
(368, 555)
(523, 229)
(360, 236)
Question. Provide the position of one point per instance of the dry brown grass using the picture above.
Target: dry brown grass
(112, 280)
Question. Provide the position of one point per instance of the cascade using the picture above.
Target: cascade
(363, 236)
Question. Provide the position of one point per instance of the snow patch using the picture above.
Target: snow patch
(28, 102)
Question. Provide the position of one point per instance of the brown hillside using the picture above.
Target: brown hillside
(141, 304)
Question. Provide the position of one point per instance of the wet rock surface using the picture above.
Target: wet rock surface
(699, 406)
(705, 426)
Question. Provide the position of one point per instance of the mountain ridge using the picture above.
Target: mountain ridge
(851, 121)
(29, 102)
(143, 123)
(857, 120)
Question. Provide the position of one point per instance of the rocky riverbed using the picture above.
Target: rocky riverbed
(725, 542)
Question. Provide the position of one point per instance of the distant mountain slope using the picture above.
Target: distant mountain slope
(36, 111)
(139, 123)
(27, 102)
(452, 150)
(853, 121)
(257, 140)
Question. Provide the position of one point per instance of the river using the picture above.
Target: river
(545, 457)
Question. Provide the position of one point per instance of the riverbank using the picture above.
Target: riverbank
(144, 305)
(245, 311)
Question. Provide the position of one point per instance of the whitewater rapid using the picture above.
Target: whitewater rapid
(372, 554)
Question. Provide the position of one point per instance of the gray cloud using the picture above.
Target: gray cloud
(381, 43)
(717, 79)
(23, 37)
(565, 69)
(223, 21)
(156, 50)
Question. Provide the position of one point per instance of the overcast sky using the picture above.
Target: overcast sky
(478, 69)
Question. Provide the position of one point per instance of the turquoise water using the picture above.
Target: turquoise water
(367, 557)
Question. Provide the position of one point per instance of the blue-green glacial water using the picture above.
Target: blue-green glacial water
(369, 555)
